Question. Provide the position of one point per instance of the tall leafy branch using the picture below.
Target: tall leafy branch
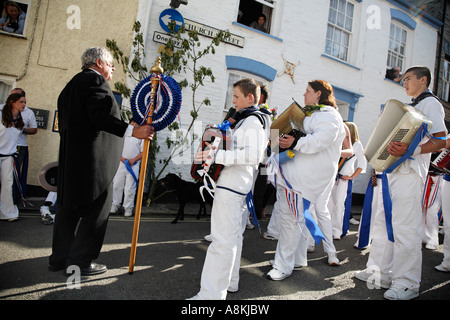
(181, 56)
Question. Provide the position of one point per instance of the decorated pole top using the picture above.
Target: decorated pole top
(157, 67)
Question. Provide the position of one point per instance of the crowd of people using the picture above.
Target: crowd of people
(313, 188)
(313, 185)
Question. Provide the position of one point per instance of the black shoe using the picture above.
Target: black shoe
(56, 268)
(93, 269)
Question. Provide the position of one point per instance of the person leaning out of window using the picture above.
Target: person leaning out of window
(13, 18)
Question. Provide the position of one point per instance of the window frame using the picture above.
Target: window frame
(392, 53)
(22, 4)
(8, 81)
(445, 92)
(272, 24)
(343, 30)
(228, 103)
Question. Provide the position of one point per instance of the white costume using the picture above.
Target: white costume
(401, 261)
(124, 185)
(29, 119)
(445, 191)
(8, 146)
(431, 208)
(229, 212)
(273, 229)
(336, 204)
(310, 172)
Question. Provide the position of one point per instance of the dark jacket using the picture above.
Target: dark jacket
(91, 132)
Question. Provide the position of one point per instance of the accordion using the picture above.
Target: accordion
(290, 122)
(219, 140)
(398, 122)
(442, 162)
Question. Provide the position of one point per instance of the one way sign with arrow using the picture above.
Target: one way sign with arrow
(168, 15)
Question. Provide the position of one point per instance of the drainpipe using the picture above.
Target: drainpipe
(441, 45)
(30, 46)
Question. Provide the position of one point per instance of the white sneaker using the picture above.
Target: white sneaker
(363, 275)
(268, 236)
(441, 268)
(399, 292)
(354, 222)
(232, 289)
(296, 266)
(128, 212)
(208, 238)
(250, 226)
(114, 209)
(277, 275)
(332, 259)
(48, 219)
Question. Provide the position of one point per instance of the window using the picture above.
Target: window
(251, 10)
(445, 94)
(6, 85)
(13, 16)
(397, 47)
(234, 77)
(339, 31)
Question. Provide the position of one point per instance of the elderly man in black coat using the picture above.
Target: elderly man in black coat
(91, 132)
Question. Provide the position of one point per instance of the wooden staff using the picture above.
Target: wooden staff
(155, 70)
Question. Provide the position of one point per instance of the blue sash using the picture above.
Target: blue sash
(130, 171)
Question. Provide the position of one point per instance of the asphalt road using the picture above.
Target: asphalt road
(169, 260)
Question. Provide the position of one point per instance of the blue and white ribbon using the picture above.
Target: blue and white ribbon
(129, 168)
(274, 167)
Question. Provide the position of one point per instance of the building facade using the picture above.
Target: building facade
(47, 54)
(349, 43)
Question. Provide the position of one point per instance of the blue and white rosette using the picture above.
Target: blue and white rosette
(168, 103)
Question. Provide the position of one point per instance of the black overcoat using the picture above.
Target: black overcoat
(91, 132)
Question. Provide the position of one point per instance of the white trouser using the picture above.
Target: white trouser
(320, 213)
(431, 219)
(125, 186)
(293, 235)
(273, 226)
(51, 197)
(445, 192)
(336, 206)
(7, 208)
(223, 258)
(399, 261)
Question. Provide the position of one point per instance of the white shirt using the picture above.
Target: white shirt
(8, 139)
(316, 155)
(29, 119)
(132, 147)
(434, 111)
(247, 146)
(349, 166)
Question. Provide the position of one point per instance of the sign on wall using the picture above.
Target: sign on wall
(168, 15)
(41, 117)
